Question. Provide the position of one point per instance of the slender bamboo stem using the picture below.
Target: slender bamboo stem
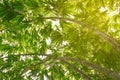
(77, 70)
(108, 38)
(98, 68)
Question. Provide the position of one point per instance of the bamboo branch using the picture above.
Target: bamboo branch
(98, 68)
(77, 70)
(28, 54)
(65, 19)
(32, 66)
(109, 39)
(32, 54)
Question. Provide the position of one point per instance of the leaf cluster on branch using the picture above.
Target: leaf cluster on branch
(59, 40)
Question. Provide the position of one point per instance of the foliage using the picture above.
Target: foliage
(59, 39)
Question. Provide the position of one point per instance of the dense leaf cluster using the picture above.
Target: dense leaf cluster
(59, 40)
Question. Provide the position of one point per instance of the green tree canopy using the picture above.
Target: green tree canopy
(60, 40)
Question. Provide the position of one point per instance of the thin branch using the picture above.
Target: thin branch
(19, 12)
(111, 40)
(28, 54)
(77, 70)
(65, 19)
(32, 54)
